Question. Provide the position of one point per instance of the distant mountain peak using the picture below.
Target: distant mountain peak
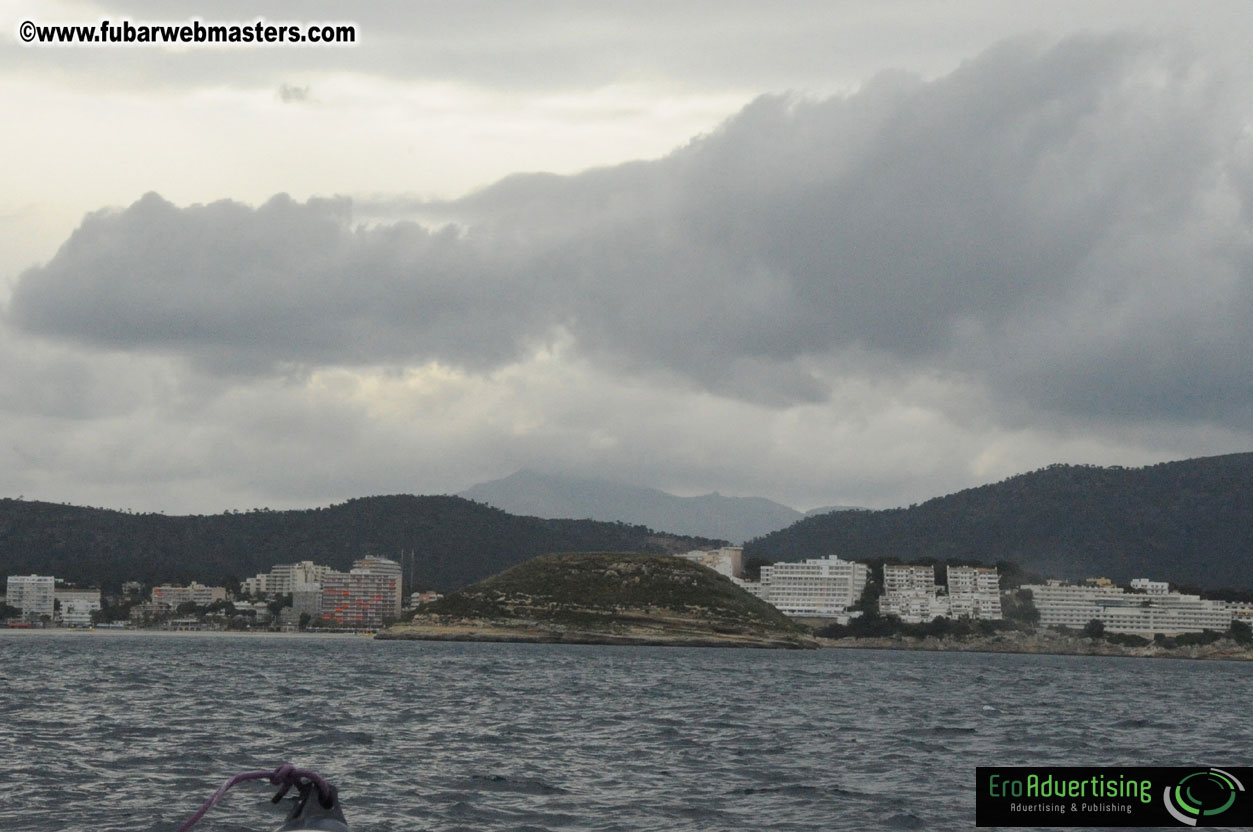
(554, 496)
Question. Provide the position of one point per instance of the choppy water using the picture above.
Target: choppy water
(131, 732)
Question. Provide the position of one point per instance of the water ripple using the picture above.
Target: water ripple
(131, 732)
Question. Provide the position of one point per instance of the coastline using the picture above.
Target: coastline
(1039, 643)
(48, 632)
(631, 635)
(1045, 644)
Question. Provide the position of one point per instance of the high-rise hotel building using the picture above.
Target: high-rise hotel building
(364, 597)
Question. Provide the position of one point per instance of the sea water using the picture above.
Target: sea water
(131, 732)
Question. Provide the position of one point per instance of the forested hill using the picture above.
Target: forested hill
(1188, 522)
(455, 541)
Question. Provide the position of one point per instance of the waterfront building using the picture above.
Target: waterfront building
(728, 561)
(910, 593)
(1062, 604)
(307, 598)
(815, 588)
(974, 592)
(364, 597)
(77, 605)
(34, 595)
(169, 595)
(69, 594)
(142, 615)
(901, 578)
(915, 607)
(256, 586)
(258, 611)
(283, 578)
(1240, 611)
(1139, 613)
(385, 566)
(417, 599)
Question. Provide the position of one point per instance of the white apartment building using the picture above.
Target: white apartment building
(1150, 613)
(77, 613)
(169, 595)
(901, 578)
(728, 561)
(910, 593)
(283, 578)
(1150, 587)
(1240, 611)
(755, 588)
(1063, 604)
(974, 592)
(915, 607)
(817, 588)
(77, 605)
(32, 594)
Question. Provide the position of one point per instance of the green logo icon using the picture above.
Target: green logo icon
(1201, 795)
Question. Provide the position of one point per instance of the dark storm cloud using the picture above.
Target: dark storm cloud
(1068, 225)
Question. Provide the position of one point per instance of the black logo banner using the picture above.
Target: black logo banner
(1113, 796)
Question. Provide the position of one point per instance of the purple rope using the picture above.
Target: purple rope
(285, 776)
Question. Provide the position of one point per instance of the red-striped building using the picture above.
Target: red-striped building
(364, 597)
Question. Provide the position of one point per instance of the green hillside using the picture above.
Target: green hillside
(607, 598)
(455, 541)
(572, 587)
(1188, 522)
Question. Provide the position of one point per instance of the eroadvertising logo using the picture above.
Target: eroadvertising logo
(1113, 796)
(1210, 793)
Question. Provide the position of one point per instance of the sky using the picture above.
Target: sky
(829, 253)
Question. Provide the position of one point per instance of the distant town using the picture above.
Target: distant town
(309, 596)
(291, 596)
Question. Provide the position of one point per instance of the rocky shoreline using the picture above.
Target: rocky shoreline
(676, 634)
(1046, 643)
(653, 634)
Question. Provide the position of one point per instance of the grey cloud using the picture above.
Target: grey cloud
(568, 44)
(284, 284)
(736, 44)
(1066, 224)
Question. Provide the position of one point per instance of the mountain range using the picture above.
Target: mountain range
(454, 542)
(1188, 522)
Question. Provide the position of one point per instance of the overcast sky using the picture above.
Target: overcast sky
(822, 252)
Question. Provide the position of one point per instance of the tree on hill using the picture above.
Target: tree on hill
(752, 568)
(1020, 607)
